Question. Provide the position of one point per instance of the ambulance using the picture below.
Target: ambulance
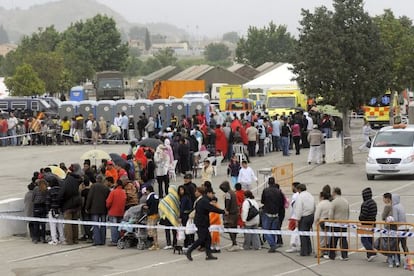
(391, 152)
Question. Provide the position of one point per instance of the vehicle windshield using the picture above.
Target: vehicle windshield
(109, 83)
(394, 139)
(281, 102)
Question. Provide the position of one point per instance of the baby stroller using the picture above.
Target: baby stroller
(134, 236)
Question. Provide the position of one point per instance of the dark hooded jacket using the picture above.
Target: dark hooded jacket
(69, 195)
(368, 207)
(230, 202)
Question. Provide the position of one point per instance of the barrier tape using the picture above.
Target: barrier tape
(19, 135)
(126, 225)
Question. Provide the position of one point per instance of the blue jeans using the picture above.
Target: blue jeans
(276, 143)
(99, 232)
(13, 140)
(114, 229)
(367, 243)
(285, 145)
(3, 141)
(234, 180)
(270, 223)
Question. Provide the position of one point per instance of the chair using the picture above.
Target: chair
(171, 170)
(238, 150)
(203, 155)
(218, 164)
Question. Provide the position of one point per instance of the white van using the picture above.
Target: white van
(391, 152)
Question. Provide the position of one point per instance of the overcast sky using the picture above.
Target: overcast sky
(215, 17)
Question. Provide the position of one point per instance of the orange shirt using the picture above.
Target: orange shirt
(112, 172)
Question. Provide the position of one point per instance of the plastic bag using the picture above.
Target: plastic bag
(190, 227)
(180, 235)
(76, 137)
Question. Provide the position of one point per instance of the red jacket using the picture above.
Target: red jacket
(115, 203)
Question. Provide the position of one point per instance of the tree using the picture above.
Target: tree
(271, 43)
(25, 82)
(397, 34)
(232, 37)
(216, 52)
(341, 58)
(134, 66)
(4, 37)
(151, 65)
(166, 57)
(95, 43)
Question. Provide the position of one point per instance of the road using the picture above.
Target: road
(18, 256)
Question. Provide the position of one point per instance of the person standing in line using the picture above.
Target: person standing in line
(162, 165)
(339, 211)
(150, 127)
(276, 134)
(153, 216)
(12, 123)
(169, 213)
(124, 126)
(71, 200)
(273, 204)
(28, 207)
(322, 213)
(368, 213)
(294, 240)
(96, 207)
(53, 205)
(285, 134)
(251, 240)
(246, 176)
(304, 214)
(296, 135)
(115, 203)
(398, 212)
(39, 210)
(252, 135)
(202, 222)
(230, 219)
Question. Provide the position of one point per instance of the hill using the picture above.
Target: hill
(61, 14)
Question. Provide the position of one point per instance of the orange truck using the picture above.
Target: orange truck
(166, 89)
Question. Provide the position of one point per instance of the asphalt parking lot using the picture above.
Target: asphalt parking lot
(18, 256)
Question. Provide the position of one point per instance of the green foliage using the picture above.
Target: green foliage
(217, 52)
(166, 57)
(98, 42)
(232, 37)
(134, 66)
(4, 37)
(340, 55)
(272, 43)
(25, 82)
(151, 65)
(397, 34)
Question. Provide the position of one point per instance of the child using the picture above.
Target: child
(215, 220)
(233, 169)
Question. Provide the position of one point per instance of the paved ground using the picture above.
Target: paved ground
(18, 256)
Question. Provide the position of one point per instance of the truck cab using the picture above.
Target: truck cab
(279, 101)
(239, 106)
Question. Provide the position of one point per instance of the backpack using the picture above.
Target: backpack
(252, 213)
(96, 127)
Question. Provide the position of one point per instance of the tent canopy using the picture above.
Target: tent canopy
(279, 77)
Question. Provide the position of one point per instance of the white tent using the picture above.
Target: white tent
(279, 77)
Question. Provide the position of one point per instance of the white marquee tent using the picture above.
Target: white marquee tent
(279, 77)
(3, 89)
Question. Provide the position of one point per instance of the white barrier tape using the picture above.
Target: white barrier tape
(20, 135)
(357, 211)
(126, 225)
(391, 233)
(98, 140)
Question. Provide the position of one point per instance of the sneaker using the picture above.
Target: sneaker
(371, 258)
(53, 243)
(390, 265)
(211, 258)
(154, 247)
(291, 250)
(233, 248)
(271, 250)
(344, 259)
(326, 257)
(397, 264)
(168, 247)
